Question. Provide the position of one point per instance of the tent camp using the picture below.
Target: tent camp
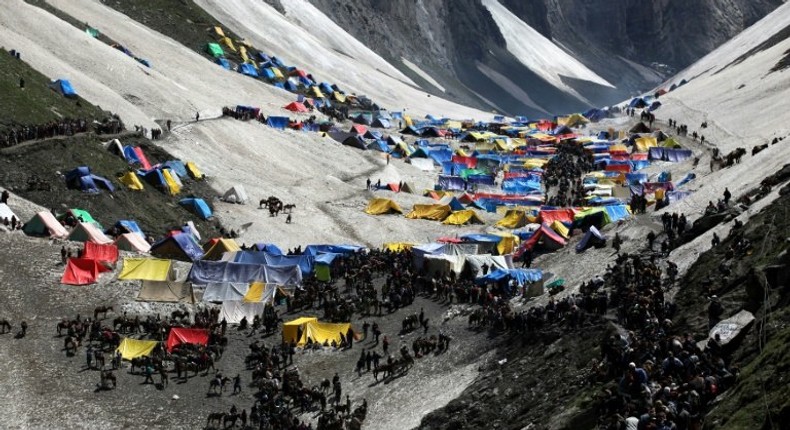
(236, 194)
(180, 246)
(132, 242)
(291, 329)
(197, 206)
(466, 216)
(85, 232)
(179, 335)
(134, 348)
(44, 224)
(220, 247)
(435, 212)
(63, 87)
(381, 206)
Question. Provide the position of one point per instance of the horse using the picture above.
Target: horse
(758, 148)
(410, 323)
(70, 346)
(217, 384)
(325, 385)
(289, 208)
(216, 417)
(101, 310)
(5, 326)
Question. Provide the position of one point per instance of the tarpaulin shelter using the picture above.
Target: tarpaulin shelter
(197, 206)
(145, 269)
(63, 87)
(233, 311)
(463, 217)
(132, 242)
(397, 246)
(321, 332)
(221, 292)
(215, 50)
(193, 170)
(279, 122)
(291, 328)
(227, 272)
(131, 181)
(560, 228)
(167, 291)
(101, 253)
(172, 182)
(179, 335)
(44, 224)
(81, 271)
(545, 235)
(521, 276)
(181, 246)
(548, 216)
(248, 69)
(296, 107)
(85, 232)
(513, 218)
(236, 194)
(380, 206)
(134, 348)
(593, 237)
(644, 143)
(220, 247)
(436, 212)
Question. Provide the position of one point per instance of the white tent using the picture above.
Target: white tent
(225, 291)
(132, 242)
(236, 194)
(234, 310)
(6, 212)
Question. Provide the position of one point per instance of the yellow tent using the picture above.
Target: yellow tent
(463, 217)
(407, 120)
(228, 43)
(193, 170)
(172, 185)
(513, 218)
(508, 243)
(432, 212)
(398, 246)
(277, 73)
(255, 293)
(243, 55)
(643, 144)
(220, 247)
(133, 348)
(322, 332)
(219, 31)
(535, 163)
(670, 143)
(338, 97)
(145, 269)
(575, 120)
(131, 181)
(290, 328)
(560, 228)
(380, 206)
(315, 92)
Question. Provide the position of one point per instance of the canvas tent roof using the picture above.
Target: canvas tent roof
(85, 232)
(197, 206)
(436, 212)
(179, 335)
(81, 271)
(131, 181)
(178, 247)
(193, 170)
(513, 218)
(236, 194)
(145, 269)
(380, 206)
(101, 253)
(221, 247)
(132, 242)
(44, 224)
(321, 332)
(466, 216)
(593, 237)
(296, 107)
(290, 328)
(133, 348)
(63, 86)
(233, 311)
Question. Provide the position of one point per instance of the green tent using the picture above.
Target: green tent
(80, 215)
(92, 32)
(215, 50)
(469, 172)
(322, 273)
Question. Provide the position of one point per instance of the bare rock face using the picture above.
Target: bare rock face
(633, 44)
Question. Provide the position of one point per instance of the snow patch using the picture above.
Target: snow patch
(423, 74)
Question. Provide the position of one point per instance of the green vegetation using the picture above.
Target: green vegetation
(36, 103)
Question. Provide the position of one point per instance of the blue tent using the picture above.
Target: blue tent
(269, 247)
(379, 145)
(198, 206)
(326, 88)
(481, 238)
(153, 177)
(637, 102)
(521, 276)
(373, 134)
(130, 155)
(381, 123)
(280, 122)
(178, 167)
(363, 118)
(655, 105)
(248, 69)
(82, 179)
(223, 62)
(63, 86)
(593, 237)
(104, 182)
(617, 212)
(290, 86)
(129, 226)
(451, 183)
(181, 246)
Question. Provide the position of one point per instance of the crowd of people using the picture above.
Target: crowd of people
(17, 134)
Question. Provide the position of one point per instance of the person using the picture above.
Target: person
(4, 197)
(651, 237)
(484, 267)
(197, 116)
(237, 384)
(288, 219)
(715, 241)
(715, 309)
(149, 374)
(89, 357)
(22, 83)
(368, 184)
(385, 344)
(727, 195)
(169, 123)
(617, 242)
(388, 159)
(63, 254)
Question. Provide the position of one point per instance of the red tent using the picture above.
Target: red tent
(143, 159)
(449, 240)
(295, 107)
(551, 240)
(358, 129)
(561, 215)
(101, 253)
(471, 162)
(80, 271)
(179, 335)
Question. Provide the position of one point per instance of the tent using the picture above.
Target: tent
(101, 253)
(453, 202)
(181, 246)
(81, 271)
(133, 348)
(291, 328)
(436, 212)
(225, 291)
(560, 228)
(278, 122)
(381, 123)
(215, 50)
(296, 107)
(248, 69)
(548, 216)
(145, 269)
(221, 247)
(463, 217)
(7, 213)
(193, 170)
(173, 185)
(260, 292)
(131, 181)
(132, 242)
(640, 127)
(63, 87)
(644, 143)
(380, 206)
(44, 224)
(197, 206)
(236, 194)
(550, 239)
(85, 232)
(233, 311)
(174, 289)
(179, 335)
(513, 218)
(321, 332)
(593, 237)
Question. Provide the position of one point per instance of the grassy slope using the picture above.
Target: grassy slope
(36, 103)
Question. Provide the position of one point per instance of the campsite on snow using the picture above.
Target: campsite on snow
(232, 214)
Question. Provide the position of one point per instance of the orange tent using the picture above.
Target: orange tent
(296, 107)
